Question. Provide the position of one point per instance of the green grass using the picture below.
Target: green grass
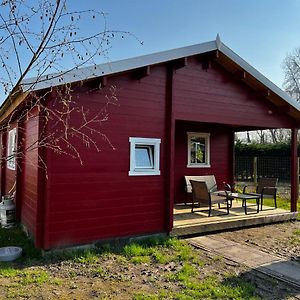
(210, 287)
(99, 272)
(7, 271)
(33, 276)
(25, 277)
(282, 201)
(295, 238)
(163, 252)
(189, 281)
(187, 272)
(297, 232)
(16, 237)
(87, 257)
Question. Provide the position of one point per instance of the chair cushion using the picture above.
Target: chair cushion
(217, 199)
(209, 179)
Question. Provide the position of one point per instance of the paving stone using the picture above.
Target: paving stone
(212, 243)
(251, 257)
(287, 269)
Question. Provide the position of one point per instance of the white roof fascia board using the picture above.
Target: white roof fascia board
(104, 69)
(33, 84)
(257, 75)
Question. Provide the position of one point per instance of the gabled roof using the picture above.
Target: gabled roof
(153, 59)
(228, 59)
(117, 66)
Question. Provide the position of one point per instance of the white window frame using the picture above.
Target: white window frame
(11, 148)
(146, 142)
(206, 136)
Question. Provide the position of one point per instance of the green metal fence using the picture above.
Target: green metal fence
(249, 167)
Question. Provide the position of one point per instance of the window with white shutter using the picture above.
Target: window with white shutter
(11, 149)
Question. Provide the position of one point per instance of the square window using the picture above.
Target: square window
(198, 150)
(11, 149)
(144, 156)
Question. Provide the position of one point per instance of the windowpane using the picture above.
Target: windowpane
(198, 150)
(11, 148)
(198, 155)
(144, 156)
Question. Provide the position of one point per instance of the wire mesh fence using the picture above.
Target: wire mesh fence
(246, 167)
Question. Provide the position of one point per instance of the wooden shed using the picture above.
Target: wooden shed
(129, 188)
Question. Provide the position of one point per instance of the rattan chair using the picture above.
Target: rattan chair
(266, 188)
(201, 195)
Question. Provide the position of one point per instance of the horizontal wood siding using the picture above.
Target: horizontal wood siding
(215, 96)
(29, 176)
(100, 200)
(220, 155)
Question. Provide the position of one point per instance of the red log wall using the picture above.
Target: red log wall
(99, 200)
(214, 96)
(220, 156)
(29, 178)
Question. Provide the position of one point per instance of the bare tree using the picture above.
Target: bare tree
(291, 68)
(279, 135)
(47, 36)
(262, 136)
(273, 134)
(248, 137)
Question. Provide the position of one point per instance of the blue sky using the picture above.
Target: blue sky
(260, 31)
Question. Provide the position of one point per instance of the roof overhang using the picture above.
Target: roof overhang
(10, 104)
(225, 57)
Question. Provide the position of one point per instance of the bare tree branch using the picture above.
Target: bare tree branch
(43, 36)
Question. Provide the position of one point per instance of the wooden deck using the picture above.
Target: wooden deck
(187, 223)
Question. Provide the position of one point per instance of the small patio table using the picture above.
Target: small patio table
(244, 198)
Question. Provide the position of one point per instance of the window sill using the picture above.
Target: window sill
(198, 166)
(144, 173)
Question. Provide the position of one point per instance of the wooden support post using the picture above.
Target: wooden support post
(294, 170)
(232, 158)
(170, 150)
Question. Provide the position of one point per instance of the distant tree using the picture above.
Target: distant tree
(248, 137)
(279, 135)
(291, 68)
(262, 136)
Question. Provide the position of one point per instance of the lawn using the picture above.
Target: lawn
(160, 268)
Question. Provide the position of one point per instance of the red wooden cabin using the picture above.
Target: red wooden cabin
(168, 100)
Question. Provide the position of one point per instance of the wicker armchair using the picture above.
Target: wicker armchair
(201, 195)
(266, 188)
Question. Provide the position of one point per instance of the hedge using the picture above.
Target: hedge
(278, 149)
